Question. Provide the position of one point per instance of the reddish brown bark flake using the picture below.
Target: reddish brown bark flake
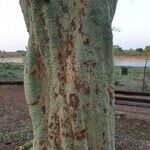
(74, 101)
(78, 84)
(111, 95)
(80, 135)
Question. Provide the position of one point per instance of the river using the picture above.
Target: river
(131, 63)
(117, 62)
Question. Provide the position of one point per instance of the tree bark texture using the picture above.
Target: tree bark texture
(68, 73)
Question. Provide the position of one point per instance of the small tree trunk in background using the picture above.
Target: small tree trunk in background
(144, 73)
(68, 73)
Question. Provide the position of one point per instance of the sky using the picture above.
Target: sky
(132, 18)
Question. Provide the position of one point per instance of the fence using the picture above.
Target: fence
(125, 78)
(132, 78)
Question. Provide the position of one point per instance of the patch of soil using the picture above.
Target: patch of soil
(132, 134)
(15, 124)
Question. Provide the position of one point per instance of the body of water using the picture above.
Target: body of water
(131, 63)
(117, 62)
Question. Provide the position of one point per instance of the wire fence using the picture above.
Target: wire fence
(132, 78)
(125, 78)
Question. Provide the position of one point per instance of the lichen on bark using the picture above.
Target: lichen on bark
(68, 73)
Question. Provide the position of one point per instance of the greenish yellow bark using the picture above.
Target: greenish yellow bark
(68, 73)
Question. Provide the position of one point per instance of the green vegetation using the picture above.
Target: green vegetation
(21, 134)
(11, 72)
(117, 50)
(139, 52)
(133, 80)
(18, 53)
(147, 49)
(128, 78)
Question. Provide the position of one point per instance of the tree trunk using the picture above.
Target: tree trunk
(68, 73)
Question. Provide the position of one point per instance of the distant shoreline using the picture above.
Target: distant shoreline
(116, 58)
(130, 58)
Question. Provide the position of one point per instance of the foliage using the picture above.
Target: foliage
(117, 50)
(18, 53)
(11, 72)
(140, 50)
(147, 49)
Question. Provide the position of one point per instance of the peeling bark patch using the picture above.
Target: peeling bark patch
(74, 101)
(73, 25)
(80, 135)
(40, 65)
(78, 84)
(58, 24)
(111, 95)
(34, 103)
(67, 134)
(55, 126)
(69, 47)
(39, 101)
(62, 92)
(74, 116)
(61, 76)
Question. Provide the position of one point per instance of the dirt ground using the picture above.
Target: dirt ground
(15, 124)
(16, 129)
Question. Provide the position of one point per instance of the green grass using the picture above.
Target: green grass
(11, 71)
(20, 135)
(133, 80)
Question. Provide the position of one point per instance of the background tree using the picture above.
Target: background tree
(117, 50)
(147, 49)
(139, 50)
(68, 73)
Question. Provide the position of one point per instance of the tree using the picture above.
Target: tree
(68, 73)
(147, 49)
(139, 50)
(117, 50)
